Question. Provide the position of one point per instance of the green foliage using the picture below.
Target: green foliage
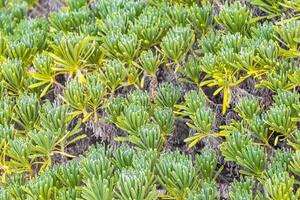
(242, 189)
(235, 17)
(149, 80)
(177, 43)
(248, 108)
(167, 95)
(177, 175)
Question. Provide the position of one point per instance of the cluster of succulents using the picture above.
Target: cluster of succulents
(201, 99)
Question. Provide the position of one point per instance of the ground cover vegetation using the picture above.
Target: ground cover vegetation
(149, 99)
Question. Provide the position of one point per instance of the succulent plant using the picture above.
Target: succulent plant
(14, 77)
(27, 111)
(235, 18)
(44, 73)
(280, 120)
(177, 43)
(167, 95)
(281, 182)
(248, 108)
(242, 189)
(133, 118)
(150, 27)
(70, 54)
(206, 163)
(149, 62)
(201, 17)
(134, 184)
(177, 175)
(164, 118)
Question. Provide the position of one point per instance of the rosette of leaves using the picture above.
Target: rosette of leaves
(6, 110)
(177, 175)
(132, 119)
(14, 76)
(115, 108)
(164, 118)
(123, 157)
(234, 144)
(19, 152)
(268, 52)
(253, 158)
(281, 186)
(36, 41)
(27, 112)
(294, 141)
(277, 81)
(210, 42)
(70, 21)
(19, 50)
(282, 157)
(139, 97)
(265, 31)
(85, 99)
(203, 121)
(68, 174)
(191, 70)
(177, 42)
(201, 17)
(145, 160)
(289, 34)
(193, 100)
(247, 61)
(150, 137)
(136, 184)
(167, 95)
(178, 15)
(41, 188)
(260, 129)
(120, 46)
(47, 144)
(279, 118)
(242, 189)
(61, 21)
(102, 9)
(234, 42)
(149, 62)
(206, 164)
(75, 96)
(98, 188)
(113, 22)
(96, 91)
(150, 27)
(71, 53)
(96, 164)
(247, 108)
(220, 72)
(295, 163)
(53, 136)
(235, 17)
(289, 99)
(44, 73)
(113, 75)
(7, 133)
